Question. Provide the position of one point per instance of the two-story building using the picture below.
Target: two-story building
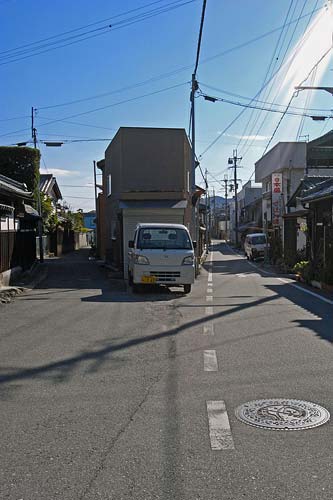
(147, 177)
(281, 171)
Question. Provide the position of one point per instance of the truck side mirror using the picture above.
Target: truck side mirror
(131, 244)
(194, 244)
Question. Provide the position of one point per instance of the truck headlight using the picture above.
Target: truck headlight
(141, 259)
(188, 261)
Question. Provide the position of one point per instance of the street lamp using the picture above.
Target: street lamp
(327, 89)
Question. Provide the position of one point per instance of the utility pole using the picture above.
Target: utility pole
(214, 213)
(96, 216)
(194, 88)
(40, 222)
(233, 161)
(206, 212)
(225, 180)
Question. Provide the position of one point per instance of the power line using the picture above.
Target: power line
(298, 46)
(100, 31)
(80, 28)
(256, 95)
(294, 95)
(268, 70)
(116, 104)
(174, 72)
(222, 91)
(271, 110)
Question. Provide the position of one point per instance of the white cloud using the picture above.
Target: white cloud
(249, 137)
(59, 172)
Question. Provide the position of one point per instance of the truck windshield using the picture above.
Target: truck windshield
(258, 240)
(164, 238)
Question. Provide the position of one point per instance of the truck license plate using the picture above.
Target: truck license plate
(148, 279)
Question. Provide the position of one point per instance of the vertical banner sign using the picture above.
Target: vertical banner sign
(277, 199)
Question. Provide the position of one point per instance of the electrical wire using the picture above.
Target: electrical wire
(268, 70)
(282, 112)
(80, 28)
(244, 109)
(294, 95)
(279, 68)
(96, 32)
(289, 65)
(116, 104)
(170, 73)
(268, 103)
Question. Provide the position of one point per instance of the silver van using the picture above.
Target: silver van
(255, 246)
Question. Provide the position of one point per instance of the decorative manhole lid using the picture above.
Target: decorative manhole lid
(282, 414)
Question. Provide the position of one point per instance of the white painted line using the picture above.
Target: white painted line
(241, 275)
(210, 277)
(209, 298)
(219, 427)
(210, 361)
(209, 310)
(208, 329)
(305, 290)
(271, 273)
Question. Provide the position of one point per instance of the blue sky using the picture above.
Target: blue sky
(144, 50)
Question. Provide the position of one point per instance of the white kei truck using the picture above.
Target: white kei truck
(161, 254)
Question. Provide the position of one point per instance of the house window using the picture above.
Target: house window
(108, 186)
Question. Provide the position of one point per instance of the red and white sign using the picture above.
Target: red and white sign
(277, 199)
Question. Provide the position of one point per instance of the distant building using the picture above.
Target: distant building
(147, 177)
(89, 219)
(48, 185)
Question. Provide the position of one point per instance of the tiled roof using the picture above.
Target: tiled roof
(322, 190)
(10, 187)
(309, 182)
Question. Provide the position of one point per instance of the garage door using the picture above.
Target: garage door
(132, 217)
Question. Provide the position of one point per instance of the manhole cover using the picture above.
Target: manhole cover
(282, 414)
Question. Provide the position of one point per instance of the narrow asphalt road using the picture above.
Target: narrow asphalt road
(109, 395)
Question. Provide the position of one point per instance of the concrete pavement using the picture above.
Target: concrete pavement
(110, 395)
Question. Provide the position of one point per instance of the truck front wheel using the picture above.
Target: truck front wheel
(187, 288)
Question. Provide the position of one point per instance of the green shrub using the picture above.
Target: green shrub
(305, 269)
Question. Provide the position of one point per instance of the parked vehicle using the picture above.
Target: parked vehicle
(161, 254)
(255, 245)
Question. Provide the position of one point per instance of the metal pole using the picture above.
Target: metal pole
(206, 218)
(194, 213)
(226, 205)
(96, 216)
(40, 222)
(236, 199)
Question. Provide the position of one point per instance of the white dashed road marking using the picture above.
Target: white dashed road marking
(208, 310)
(208, 329)
(210, 361)
(209, 298)
(219, 427)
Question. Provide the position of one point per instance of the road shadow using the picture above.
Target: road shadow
(321, 324)
(62, 369)
(77, 272)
